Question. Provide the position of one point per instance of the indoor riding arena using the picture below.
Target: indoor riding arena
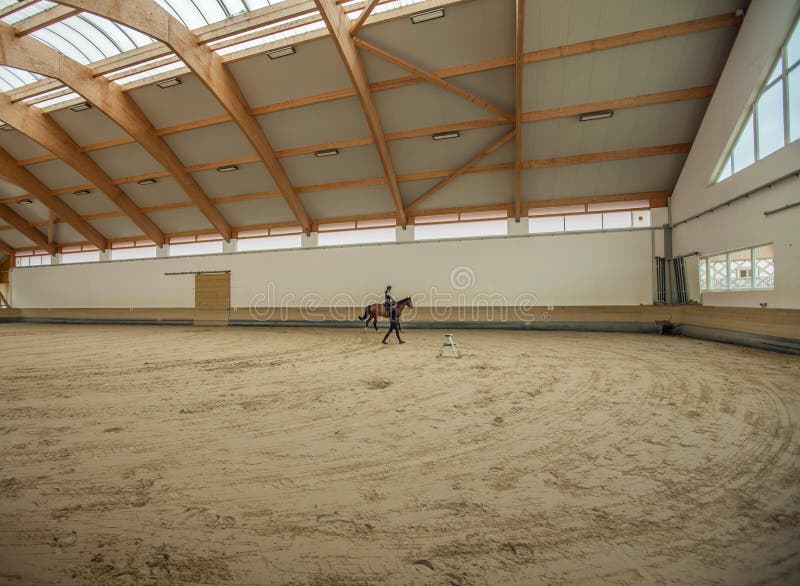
(405, 292)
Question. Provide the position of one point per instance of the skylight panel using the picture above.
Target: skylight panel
(123, 37)
(234, 7)
(394, 4)
(12, 78)
(256, 4)
(26, 12)
(150, 72)
(88, 47)
(198, 13)
(98, 39)
(273, 37)
(60, 90)
(194, 13)
(62, 45)
(58, 100)
(88, 38)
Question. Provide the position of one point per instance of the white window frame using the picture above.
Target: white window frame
(704, 259)
(786, 69)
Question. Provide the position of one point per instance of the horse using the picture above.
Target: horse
(376, 310)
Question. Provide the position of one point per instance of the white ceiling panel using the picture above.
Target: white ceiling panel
(467, 190)
(671, 123)
(64, 233)
(209, 144)
(551, 23)
(166, 190)
(315, 68)
(56, 174)
(495, 86)
(125, 160)
(505, 154)
(667, 64)
(187, 102)
(259, 211)
(87, 126)
(350, 164)
(120, 227)
(379, 69)
(94, 203)
(422, 105)
(10, 190)
(414, 155)
(315, 124)
(33, 212)
(370, 199)
(20, 146)
(250, 178)
(15, 239)
(180, 220)
(473, 31)
(633, 175)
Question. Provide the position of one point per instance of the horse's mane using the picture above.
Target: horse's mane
(404, 299)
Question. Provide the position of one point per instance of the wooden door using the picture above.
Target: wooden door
(212, 298)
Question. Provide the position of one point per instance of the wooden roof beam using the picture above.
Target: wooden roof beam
(339, 26)
(42, 129)
(463, 169)
(433, 78)
(24, 179)
(518, 83)
(22, 225)
(364, 16)
(149, 18)
(31, 55)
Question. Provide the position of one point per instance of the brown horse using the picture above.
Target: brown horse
(376, 310)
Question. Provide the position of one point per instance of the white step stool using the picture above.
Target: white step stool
(449, 340)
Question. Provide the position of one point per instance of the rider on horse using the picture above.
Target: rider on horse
(388, 300)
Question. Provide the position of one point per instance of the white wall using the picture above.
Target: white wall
(743, 224)
(603, 268)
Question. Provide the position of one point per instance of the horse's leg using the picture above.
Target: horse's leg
(375, 319)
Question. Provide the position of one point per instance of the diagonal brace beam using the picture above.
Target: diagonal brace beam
(464, 168)
(433, 78)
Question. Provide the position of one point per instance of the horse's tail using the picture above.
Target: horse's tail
(366, 312)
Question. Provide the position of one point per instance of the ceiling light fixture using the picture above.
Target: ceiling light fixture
(599, 115)
(82, 192)
(327, 153)
(282, 52)
(446, 135)
(171, 82)
(24, 202)
(227, 168)
(149, 181)
(427, 15)
(80, 107)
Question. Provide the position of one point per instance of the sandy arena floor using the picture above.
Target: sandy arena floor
(144, 455)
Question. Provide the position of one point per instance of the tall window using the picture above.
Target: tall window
(749, 268)
(774, 120)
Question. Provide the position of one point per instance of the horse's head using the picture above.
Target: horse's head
(407, 302)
